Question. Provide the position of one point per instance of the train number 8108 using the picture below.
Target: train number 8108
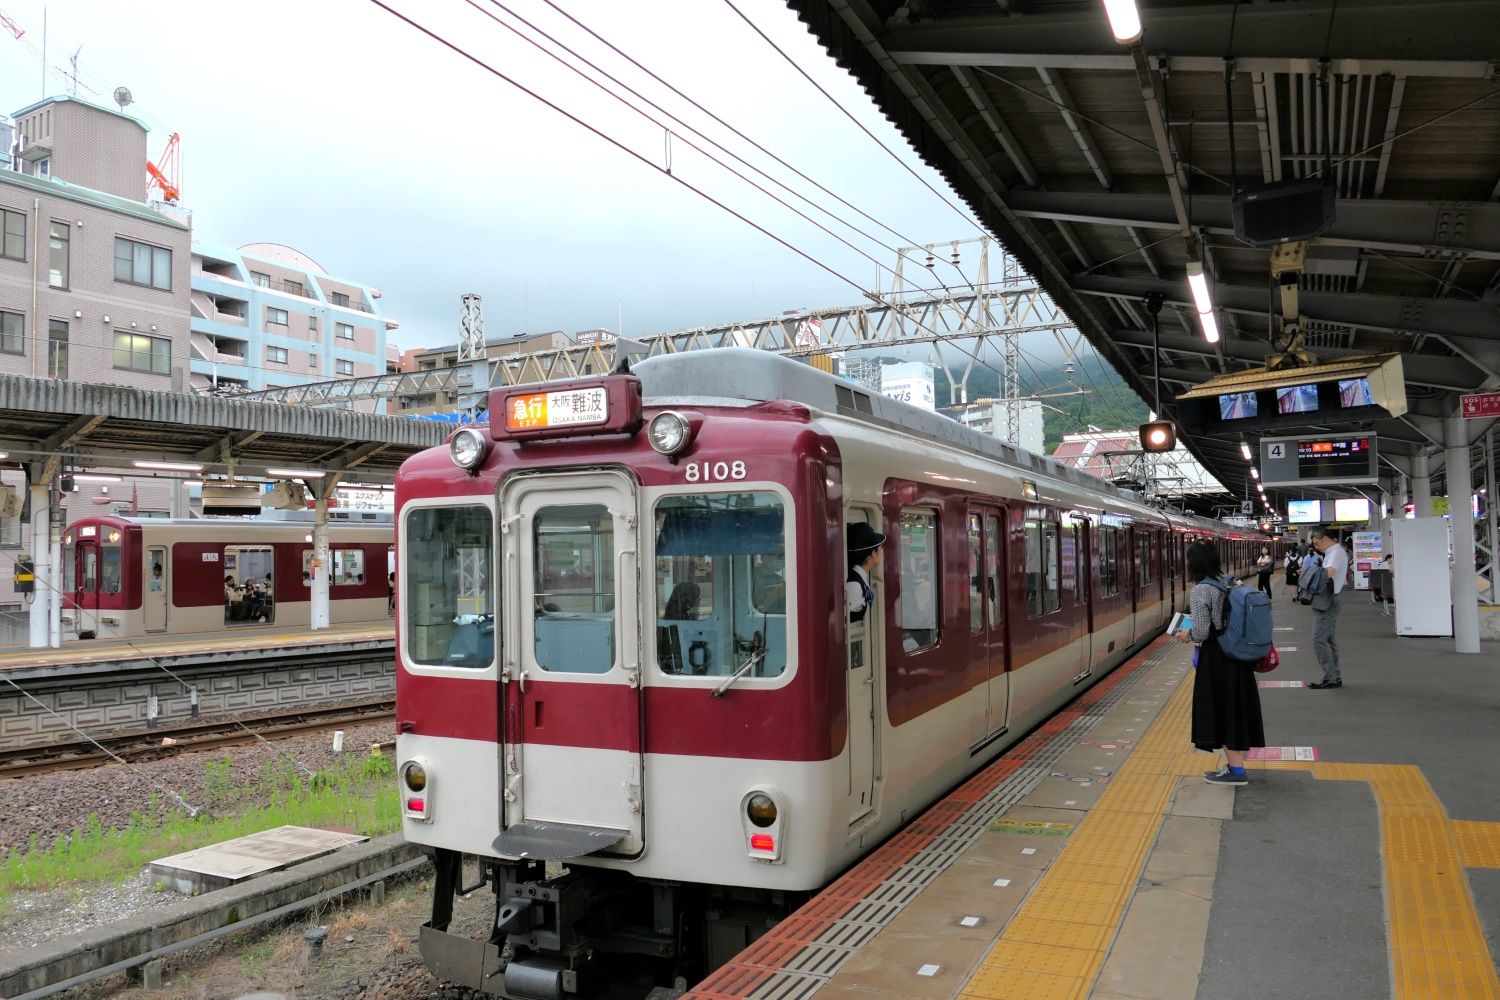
(714, 472)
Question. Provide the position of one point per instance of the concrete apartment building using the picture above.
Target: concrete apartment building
(99, 284)
(435, 358)
(267, 315)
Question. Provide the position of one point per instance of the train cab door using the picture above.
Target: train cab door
(987, 535)
(865, 659)
(86, 588)
(571, 666)
(154, 589)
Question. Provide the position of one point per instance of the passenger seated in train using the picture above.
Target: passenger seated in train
(234, 600)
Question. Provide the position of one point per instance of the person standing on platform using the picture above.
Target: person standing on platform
(1226, 700)
(864, 544)
(1264, 567)
(1325, 606)
(1292, 570)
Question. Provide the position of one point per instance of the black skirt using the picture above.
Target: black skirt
(1226, 702)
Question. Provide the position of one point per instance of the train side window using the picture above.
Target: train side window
(1109, 579)
(1068, 539)
(1143, 547)
(721, 585)
(1051, 582)
(1042, 580)
(348, 567)
(976, 580)
(249, 593)
(574, 588)
(918, 612)
(447, 557)
(109, 567)
(70, 568)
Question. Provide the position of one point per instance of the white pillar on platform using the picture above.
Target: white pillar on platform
(321, 567)
(1421, 485)
(1465, 589)
(41, 557)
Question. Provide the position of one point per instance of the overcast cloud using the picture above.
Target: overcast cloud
(333, 127)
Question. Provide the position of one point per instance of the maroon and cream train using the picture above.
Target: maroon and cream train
(623, 645)
(130, 577)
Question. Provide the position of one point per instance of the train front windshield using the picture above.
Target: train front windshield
(447, 557)
(721, 584)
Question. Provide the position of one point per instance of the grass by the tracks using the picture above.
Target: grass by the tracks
(357, 794)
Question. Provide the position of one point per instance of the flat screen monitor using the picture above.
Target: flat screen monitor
(1302, 512)
(1351, 509)
(1237, 406)
(1297, 399)
(1355, 392)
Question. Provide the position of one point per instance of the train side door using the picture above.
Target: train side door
(1077, 534)
(86, 594)
(865, 659)
(154, 589)
(571, 656)
(991, 522)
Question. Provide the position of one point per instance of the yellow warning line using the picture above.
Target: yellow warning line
(1055, 945)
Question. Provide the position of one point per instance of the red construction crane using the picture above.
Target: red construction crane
(167, 177)
(15, 29)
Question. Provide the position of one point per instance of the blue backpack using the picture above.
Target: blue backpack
(1247, 622)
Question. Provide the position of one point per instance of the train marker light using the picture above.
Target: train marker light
(415, 781)
(468, 448)
(763, 822)
(762, 842)
(415, 805)
(414, 775)
(1158, 436)
(761, 810)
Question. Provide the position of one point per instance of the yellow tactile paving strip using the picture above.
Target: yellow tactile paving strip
(1055, 946)
(112, 650)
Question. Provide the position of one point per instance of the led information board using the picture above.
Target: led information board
(1325, 460)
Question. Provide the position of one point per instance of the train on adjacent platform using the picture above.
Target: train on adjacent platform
(125, 578)
(628, 684)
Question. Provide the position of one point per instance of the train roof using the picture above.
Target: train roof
(207, 523)
(743, 376)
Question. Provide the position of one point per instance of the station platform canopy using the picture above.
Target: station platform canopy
(112, 426)
(1105, 168)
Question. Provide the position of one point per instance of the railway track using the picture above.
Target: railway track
(74, 755)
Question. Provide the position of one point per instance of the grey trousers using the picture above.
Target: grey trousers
(1325, 643)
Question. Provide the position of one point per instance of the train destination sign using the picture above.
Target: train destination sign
(1325, 460)
(568, 408)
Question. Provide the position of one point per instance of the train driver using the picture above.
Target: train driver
(864, 544)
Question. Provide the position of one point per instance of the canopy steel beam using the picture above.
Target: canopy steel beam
(1442, 38)
(1453, 319)
(1471, 228)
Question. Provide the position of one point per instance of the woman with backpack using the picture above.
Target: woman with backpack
(1264, 567)
(1292, 570)
(1226, 700)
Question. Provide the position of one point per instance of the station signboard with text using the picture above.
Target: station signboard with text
(1322, 460)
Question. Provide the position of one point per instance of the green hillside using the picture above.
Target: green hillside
(1109, 404)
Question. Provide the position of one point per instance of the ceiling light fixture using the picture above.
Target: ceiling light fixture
(171, 466)
(1202, 301)
(1245, 450)
(1124, 20)
(296, 473)
(90, 477)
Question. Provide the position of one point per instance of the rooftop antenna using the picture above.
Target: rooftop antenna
(73, 80)
(122, 97)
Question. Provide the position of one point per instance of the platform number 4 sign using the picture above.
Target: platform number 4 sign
(1277, 450)
(1246, 507)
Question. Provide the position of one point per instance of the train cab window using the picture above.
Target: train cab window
(109, 567)
(1109, 576)
(447, 555)
(721, 585)
(1042, 580)
(249, 590)
(918, 612)
(574, 588)
(976, 579)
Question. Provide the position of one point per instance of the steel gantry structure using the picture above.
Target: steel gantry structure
(971, 313)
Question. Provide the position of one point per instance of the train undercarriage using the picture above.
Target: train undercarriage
(590, 932)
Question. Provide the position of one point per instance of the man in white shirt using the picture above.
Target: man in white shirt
(1325, 618)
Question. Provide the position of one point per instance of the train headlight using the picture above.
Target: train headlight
(468, 448)
(669, 432)
(416, 790)
(764, 824)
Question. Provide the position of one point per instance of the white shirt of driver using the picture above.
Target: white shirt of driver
(1336, 565)
(854, 593)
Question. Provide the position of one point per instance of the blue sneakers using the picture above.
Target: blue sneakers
(1224, 776)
